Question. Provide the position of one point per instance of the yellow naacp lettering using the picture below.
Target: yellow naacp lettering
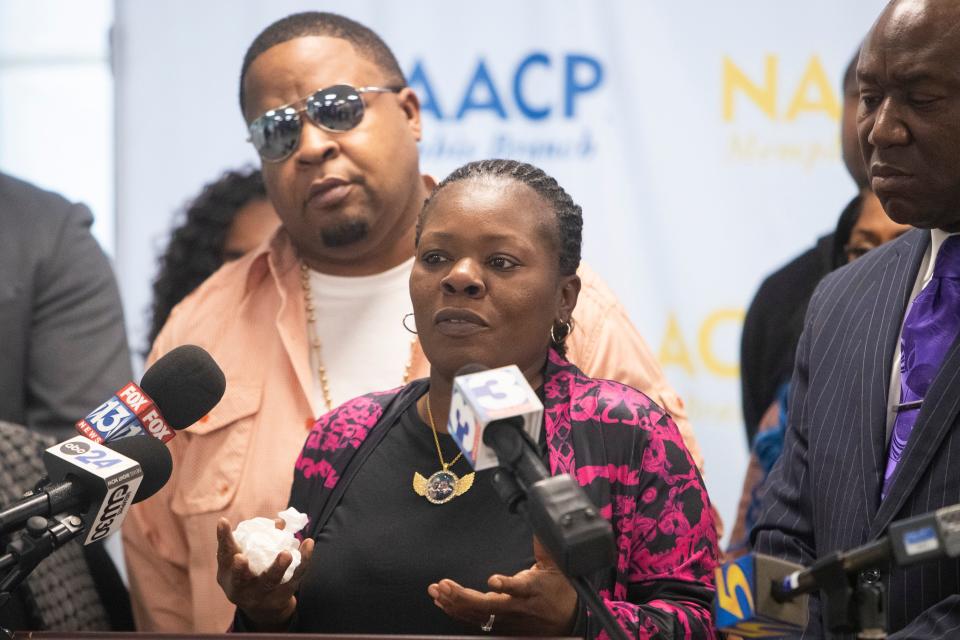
(727, 584)
(714, 364)
(673, 349)
(815, 77)
(764, 96)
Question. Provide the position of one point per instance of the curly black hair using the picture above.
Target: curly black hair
(196, 246)
(569, 214)
(320, 23)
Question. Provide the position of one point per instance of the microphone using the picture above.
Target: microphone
(495, 418)
(482, 396)
(930, 536)
(98, 481)
(746, 604)
(762, 597)
(179, 389)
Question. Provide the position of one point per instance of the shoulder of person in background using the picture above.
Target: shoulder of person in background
(606, 344)
(57, 286)
(771, 328)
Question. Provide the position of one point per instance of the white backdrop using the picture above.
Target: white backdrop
(700, 137)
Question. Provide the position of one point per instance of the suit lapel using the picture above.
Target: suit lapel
(895, 278)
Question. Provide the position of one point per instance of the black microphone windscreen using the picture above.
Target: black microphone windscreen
(185, 384)
(469, 368)
(152, 456)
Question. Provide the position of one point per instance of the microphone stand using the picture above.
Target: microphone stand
(42, 537)
(857, 605)
(562, 517)
(851, 605)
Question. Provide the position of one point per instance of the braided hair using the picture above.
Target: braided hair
(568, 213)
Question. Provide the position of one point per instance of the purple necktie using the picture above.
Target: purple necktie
(931, 325)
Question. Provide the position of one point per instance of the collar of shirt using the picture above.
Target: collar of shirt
(937, 238)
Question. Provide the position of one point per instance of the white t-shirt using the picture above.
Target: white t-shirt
(363, 345)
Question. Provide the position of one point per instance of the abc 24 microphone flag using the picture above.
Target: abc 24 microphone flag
(745, 606)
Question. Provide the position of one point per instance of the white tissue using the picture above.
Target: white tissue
(262, 542)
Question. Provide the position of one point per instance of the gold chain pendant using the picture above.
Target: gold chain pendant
(443, 486)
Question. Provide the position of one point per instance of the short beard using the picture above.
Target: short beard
(345, 234)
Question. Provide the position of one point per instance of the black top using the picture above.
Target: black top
(774, 321)
(366, 577)
(771, 329)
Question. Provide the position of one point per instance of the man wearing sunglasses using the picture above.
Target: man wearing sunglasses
(317, 316)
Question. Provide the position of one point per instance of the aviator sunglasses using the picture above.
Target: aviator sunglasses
(276, 134)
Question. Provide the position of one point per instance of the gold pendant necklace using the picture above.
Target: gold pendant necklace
(444, 485)
(315, 339)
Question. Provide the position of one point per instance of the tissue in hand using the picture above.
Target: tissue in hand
(262, 542)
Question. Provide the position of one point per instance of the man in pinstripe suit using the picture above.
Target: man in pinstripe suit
(840, 481)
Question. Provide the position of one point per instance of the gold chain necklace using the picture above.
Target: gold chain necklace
(444, 485)
(315, 344)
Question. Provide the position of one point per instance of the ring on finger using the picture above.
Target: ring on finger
(489, 626)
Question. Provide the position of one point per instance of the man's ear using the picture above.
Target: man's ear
(410, 104)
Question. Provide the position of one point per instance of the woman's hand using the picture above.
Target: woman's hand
(536, 601)
(263, 599)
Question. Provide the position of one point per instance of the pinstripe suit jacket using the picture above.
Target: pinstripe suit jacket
(824, 493)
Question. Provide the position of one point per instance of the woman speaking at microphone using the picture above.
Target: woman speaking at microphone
(388, 551)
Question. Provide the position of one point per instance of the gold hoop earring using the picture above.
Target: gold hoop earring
(566, 326)
(404, 323)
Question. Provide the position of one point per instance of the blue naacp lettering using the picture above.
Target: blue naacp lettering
(530, 111)
(418, 80)
(581, 74)
(481, 94)
(590, 81)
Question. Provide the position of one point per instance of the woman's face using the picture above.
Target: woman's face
(253, 223)
(872, 229)
(485, 285)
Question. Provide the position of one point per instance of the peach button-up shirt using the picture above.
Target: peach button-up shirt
(238, 461)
